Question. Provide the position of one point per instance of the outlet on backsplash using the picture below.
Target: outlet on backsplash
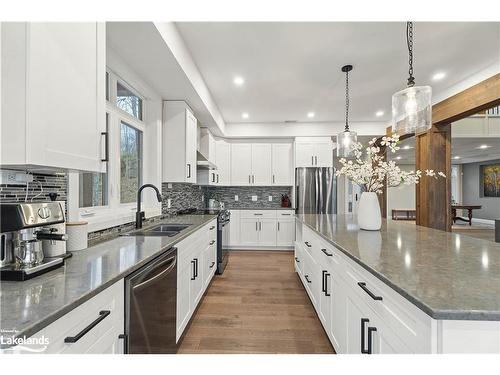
(254, 198)
(236, 198)
(169, 203)
(270, 198)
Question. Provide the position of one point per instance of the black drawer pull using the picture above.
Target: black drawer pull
(102, 315)
(324, 283)
(363, 322)
(369, 292)
(307, 278)
(286, 214)
(212, 265)
(327, 253)
(212, 227)
(307, 244)
(212, 242)
(258, 214)
(194, 270)
(297, 260)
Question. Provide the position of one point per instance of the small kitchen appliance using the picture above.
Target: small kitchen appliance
(23, 228)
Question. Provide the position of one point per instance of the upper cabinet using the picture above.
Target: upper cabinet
(223, 162)
(261, 164)
(282, 165)
(179, 142)
(53, 102)
(241, 164)
(313, 152)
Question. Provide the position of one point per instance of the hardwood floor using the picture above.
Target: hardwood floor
(257, 306)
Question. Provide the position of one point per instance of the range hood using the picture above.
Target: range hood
(203, 163)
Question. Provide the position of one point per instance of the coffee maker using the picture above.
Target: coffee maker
(23, 228)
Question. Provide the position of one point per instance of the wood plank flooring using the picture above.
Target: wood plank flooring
(257, 306)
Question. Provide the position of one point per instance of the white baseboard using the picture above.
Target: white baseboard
(483, 221)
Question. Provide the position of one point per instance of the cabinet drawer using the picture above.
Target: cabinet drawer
(258, 214)
(285, 213)
(412, 326)
(107, 306)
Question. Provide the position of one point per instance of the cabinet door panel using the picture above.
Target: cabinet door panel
(183, 300)
(234, 228)
(282, 164)
(241, 164)
(323, 154)
(223, 161)
(191, 141)
(304, 155)
(285, 234)
(267, 232)
(261, 164)
(338, 315)
(62, 107)
(249, 232)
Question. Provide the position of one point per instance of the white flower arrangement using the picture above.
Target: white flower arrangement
(373, 172)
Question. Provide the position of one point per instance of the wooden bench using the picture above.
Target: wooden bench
(404, 214)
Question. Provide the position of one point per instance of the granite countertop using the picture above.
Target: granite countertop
(447, 275)
(28, 306)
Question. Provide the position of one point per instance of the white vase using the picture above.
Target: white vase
(369, 217)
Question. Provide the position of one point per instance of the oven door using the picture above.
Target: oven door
(222, 246)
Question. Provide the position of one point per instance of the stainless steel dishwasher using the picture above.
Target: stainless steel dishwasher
(150, 306)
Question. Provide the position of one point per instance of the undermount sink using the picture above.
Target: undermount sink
(168, 230)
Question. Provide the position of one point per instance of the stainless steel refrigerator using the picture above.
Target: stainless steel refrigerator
(315, 191)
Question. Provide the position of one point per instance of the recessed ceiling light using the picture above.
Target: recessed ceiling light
(407, 147)
(438, 76)
(311, 114)
(238, 81)
(245, 115)
(482, 147)
(379, 113)
(456, 157)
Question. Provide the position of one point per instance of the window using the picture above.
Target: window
(130, 162)
(127, 101)
(93, 187)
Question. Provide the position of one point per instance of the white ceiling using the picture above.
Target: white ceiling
(293, 68)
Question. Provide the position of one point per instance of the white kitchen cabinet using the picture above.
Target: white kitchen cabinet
(209, 262)
(282, 165)
(53, 102)
(285, 231)
(241, 164)
(267, 232)
(103, 338)
(313, 152)
(179, 143)
(249, 232)
(261, 164)
(223, 162)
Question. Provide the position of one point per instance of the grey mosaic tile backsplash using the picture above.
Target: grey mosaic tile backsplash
(38, 190)
(182, 196)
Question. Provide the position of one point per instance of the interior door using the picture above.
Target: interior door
(261, 164)
(282, 164)
(267, 232)
(241, 164)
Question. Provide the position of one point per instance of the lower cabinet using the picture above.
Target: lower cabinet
(195, 269)
(262, 228)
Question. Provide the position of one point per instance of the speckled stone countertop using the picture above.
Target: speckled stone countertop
(262, 208)
(447, 275)
(28, 306)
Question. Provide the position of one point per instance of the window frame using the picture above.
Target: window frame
(115, 212)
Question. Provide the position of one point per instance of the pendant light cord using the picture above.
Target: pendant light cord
(346, 101)
(409, 43)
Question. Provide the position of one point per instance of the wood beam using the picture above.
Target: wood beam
(484, 95)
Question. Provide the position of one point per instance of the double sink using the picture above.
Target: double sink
(168, 230)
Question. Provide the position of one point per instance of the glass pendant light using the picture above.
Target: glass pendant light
(411, 107)
(347, 138)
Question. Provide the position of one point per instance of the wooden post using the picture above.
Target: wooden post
(433, 196)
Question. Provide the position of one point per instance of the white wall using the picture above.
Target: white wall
(402, 196)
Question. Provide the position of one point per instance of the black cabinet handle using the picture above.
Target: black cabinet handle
(212, 242)
(286, 214)
(307, 244)
(327, 253)
(189, 171)
(369, 292)
(196, 267)
(278, 225)
(370, 339)
(212, 227)
(297, 260)
(307, 278)
(363, 322)
(213, 177)
(194, 270)
(102, 315)
(257, 214)
(106, 146)
(324, 283)
(212, 265)
(217, 178)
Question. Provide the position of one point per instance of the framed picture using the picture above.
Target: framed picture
(490, 180)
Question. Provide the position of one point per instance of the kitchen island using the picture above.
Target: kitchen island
(30, 306)
(425, 287)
